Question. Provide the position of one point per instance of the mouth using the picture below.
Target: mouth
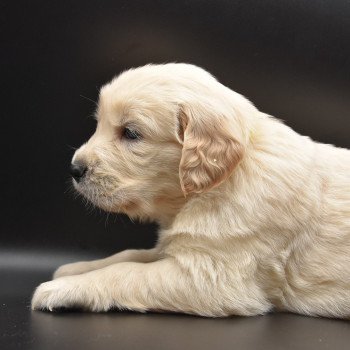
(93, 194)
(113, 201)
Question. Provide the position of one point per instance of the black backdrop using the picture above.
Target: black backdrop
(291, 58)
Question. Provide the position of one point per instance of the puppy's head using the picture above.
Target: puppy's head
(164, 132)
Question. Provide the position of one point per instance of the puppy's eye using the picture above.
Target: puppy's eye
(130, 134)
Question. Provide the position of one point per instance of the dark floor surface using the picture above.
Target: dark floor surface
(21, 328)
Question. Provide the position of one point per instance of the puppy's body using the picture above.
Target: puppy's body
(253, 216)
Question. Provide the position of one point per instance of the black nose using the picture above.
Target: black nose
(77, 170)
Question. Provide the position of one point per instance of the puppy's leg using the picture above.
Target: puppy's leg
(160, 285)
(142, 255)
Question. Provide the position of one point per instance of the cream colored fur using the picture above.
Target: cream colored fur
(253, 216)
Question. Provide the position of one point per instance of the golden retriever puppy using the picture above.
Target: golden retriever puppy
(253, 216)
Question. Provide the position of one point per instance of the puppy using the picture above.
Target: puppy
(252, 215)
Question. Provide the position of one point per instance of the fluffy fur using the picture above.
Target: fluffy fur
(252, 215)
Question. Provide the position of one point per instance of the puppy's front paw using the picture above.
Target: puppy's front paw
(73, 269)
(78, 292)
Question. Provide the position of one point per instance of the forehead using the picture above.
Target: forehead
(120, 105)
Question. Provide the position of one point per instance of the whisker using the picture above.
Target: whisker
(72, 147)
(89, 99)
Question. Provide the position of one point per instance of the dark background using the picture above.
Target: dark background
(291, 58)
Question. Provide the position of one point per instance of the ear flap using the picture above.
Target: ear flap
(210, 151)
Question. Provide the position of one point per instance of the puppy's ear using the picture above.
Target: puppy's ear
(210, 150)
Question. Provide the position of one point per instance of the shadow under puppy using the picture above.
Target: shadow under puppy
(252, 215)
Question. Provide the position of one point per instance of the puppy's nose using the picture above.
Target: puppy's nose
(77, 170)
